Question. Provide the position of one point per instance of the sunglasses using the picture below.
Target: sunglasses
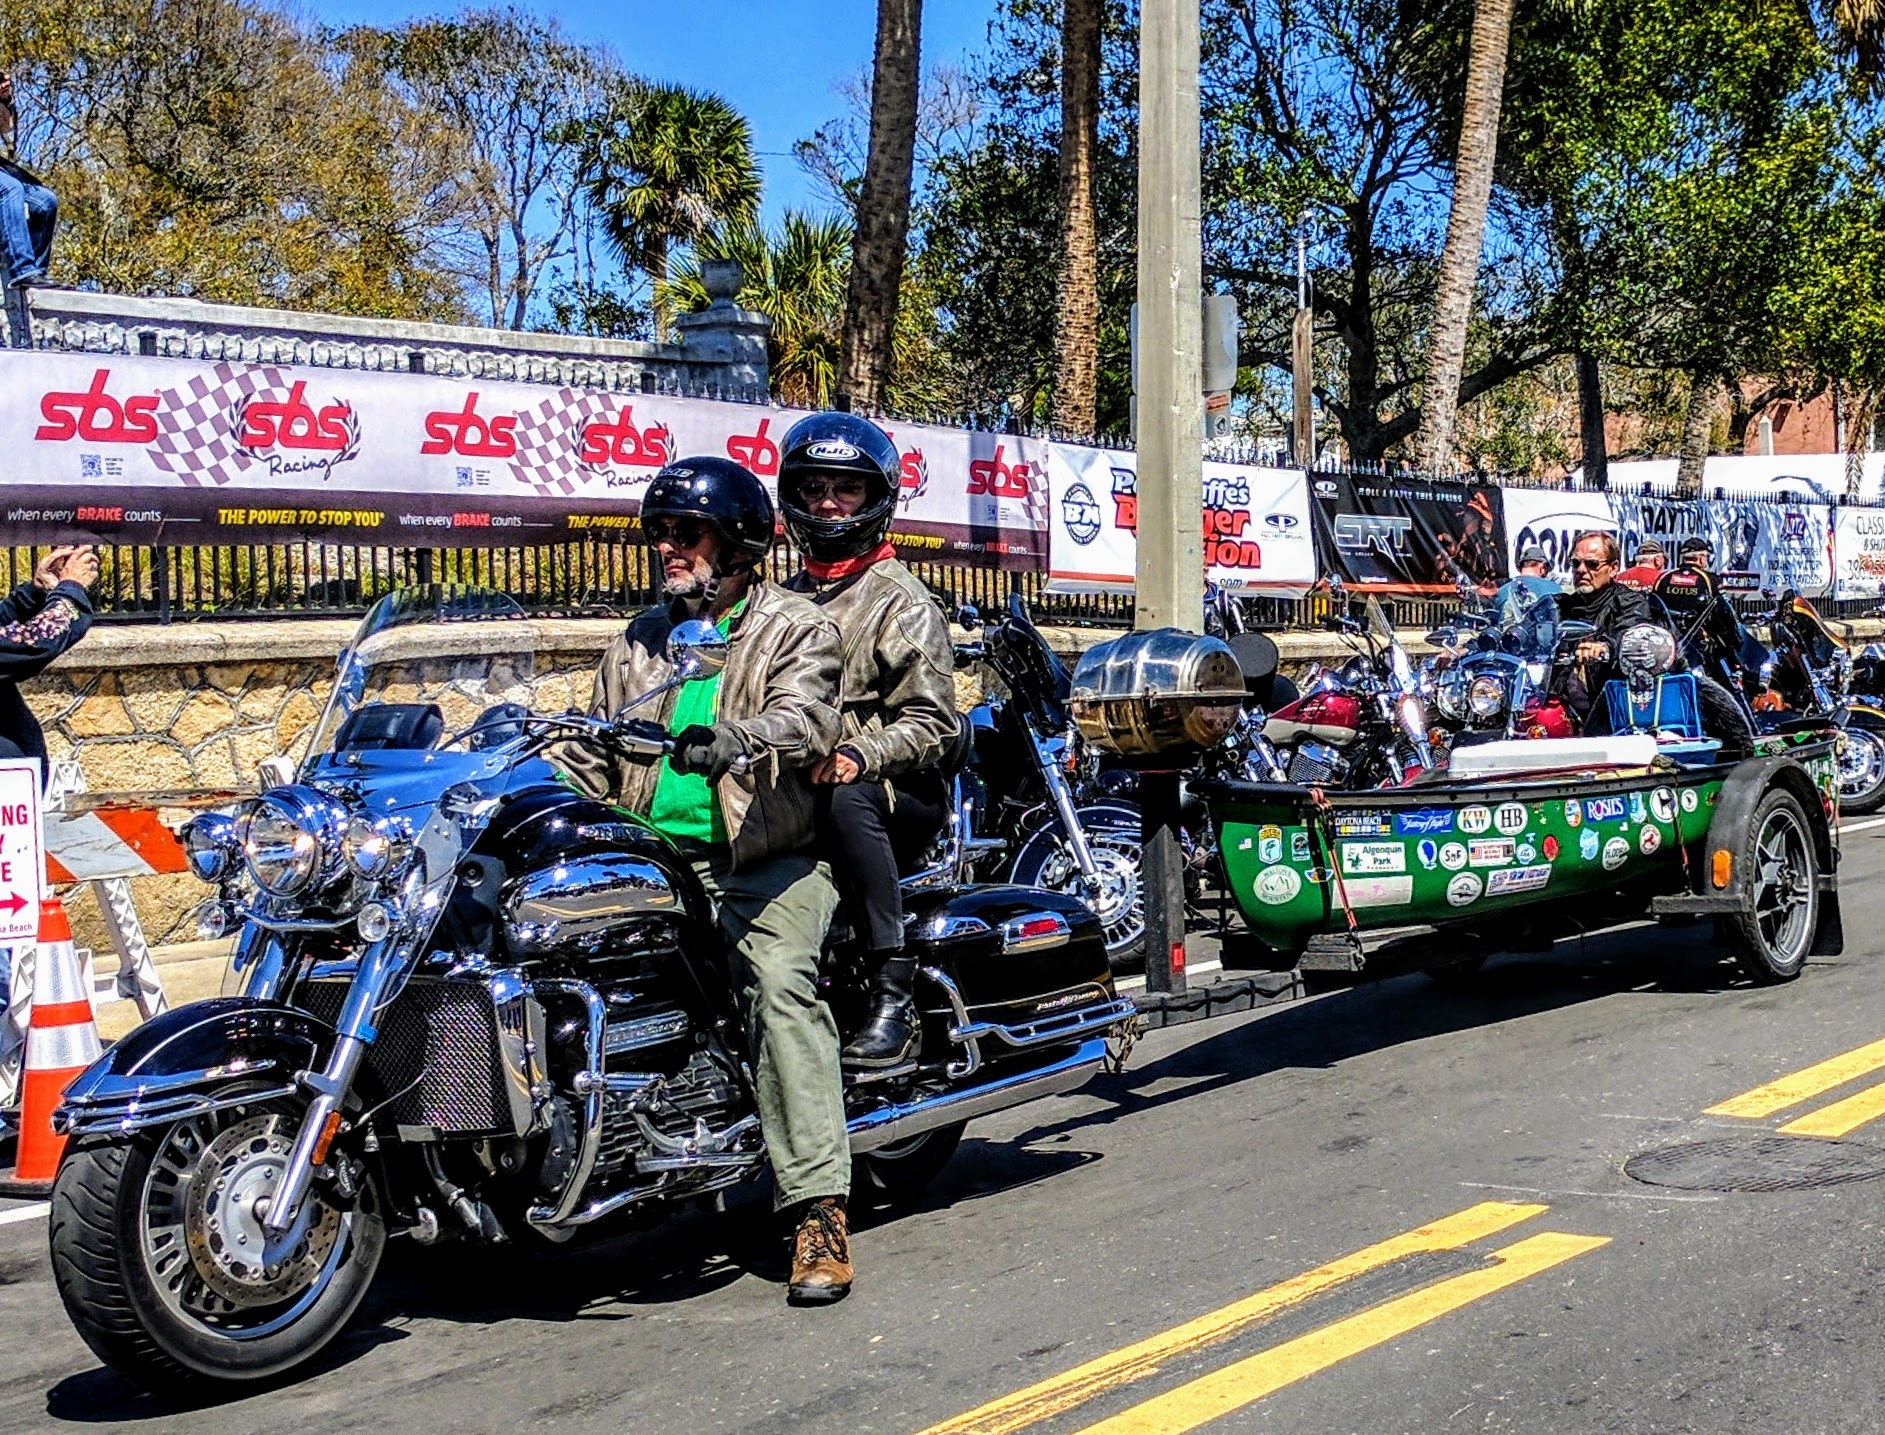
(677, 532)
(1577, 563)
(811, 490)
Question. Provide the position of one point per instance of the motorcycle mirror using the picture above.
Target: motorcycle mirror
(697, 649)
(969, 616)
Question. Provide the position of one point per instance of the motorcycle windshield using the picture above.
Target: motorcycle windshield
(1531, 627)
(433, 666)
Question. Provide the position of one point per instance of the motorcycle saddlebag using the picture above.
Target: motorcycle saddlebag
(1016, 954)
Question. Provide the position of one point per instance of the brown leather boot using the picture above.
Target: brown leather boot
(821, 1255)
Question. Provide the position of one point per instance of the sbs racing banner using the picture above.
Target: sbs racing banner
(1407, 535)
(115, 449)
(1256, 533)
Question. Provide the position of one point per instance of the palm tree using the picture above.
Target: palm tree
(795, 277)
(1465, 229)
(883, 209)
(660, 165)
(1077, 315)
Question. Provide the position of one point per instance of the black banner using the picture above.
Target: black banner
(1406, 535)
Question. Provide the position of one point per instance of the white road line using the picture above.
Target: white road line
(1600, 1195)
(1870, 822)
(1133, 984)
(25, 1213)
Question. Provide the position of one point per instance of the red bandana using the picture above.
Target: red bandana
(845, 567)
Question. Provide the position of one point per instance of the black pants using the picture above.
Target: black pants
(869, 833)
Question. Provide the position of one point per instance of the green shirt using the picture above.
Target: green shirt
(685, 806)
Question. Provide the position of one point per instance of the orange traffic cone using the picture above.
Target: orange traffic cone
(61, 1041)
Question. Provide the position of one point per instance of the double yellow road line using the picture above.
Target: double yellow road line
(1840, 1118)
(1199, 1401)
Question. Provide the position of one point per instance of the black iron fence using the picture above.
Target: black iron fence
(311, 580)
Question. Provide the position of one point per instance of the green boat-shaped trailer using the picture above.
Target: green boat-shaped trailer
(1516, 844)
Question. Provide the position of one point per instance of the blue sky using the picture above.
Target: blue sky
(778, 63)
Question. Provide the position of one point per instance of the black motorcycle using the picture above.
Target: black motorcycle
(477, 1004)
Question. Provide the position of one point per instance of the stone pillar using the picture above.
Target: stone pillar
(732, 338)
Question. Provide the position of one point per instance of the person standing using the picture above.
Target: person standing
(880, 797)
(39, 620)
(29, 212)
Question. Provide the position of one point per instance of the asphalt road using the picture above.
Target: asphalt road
(1396, 1208)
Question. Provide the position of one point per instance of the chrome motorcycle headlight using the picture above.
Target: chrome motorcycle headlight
(210, 846)
(375, 848)
(1449, 695)
(1646, 651)
(1485, 696)
(291, 839)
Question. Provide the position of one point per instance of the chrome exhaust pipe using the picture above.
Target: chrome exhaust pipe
(891, 1124)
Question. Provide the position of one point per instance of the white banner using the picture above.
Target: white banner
(125, 449)
(1552, 520)
(1859, 553)
(1255, 525)
(1783, 540)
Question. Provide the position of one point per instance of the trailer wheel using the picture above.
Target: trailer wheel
(1772, 934)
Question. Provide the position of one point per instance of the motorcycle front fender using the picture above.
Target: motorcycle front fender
(176, 1064)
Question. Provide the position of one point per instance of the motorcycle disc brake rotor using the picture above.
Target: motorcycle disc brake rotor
(224, 1209)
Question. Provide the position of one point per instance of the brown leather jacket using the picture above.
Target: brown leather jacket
(899, 671)
(779, 691)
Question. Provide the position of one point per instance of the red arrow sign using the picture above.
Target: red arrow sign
(12, 903)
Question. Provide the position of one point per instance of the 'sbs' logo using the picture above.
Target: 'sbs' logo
(1358, 532)
(623, 445)
(294, 423)
(97, 417)
(755, 451)
(1080, 514)
(993, 477)
(466, 433)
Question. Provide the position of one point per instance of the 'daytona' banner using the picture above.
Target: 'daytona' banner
(109, 448)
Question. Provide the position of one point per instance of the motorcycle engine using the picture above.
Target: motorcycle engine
(1316, 764)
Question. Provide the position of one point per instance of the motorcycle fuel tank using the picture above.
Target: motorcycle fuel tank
(1326, 717)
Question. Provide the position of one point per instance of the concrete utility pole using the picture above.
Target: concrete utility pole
(1168, 579)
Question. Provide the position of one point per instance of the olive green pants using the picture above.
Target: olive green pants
(774, 914)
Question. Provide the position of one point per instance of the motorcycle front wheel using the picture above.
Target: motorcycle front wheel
(1861, 770)
(1112, 835)
(158, 1250)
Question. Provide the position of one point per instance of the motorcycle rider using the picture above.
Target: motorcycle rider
(880, 800)
(1611, 608)
(748, 832)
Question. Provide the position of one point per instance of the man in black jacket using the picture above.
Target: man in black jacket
(1610, 607)
(39, 620)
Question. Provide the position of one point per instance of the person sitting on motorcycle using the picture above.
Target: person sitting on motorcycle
(1598, 599)
(880, 800)
(748, 829)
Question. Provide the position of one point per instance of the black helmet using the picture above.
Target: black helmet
(717, 491)
(838, 445)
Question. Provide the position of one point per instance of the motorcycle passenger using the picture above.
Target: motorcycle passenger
(880, 799)
(748, 833)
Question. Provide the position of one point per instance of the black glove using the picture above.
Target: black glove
(709, 752)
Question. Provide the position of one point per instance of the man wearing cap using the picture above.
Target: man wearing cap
(1692, 594)
(1525, 587)
(1646, 566)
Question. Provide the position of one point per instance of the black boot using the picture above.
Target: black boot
(889, 1035)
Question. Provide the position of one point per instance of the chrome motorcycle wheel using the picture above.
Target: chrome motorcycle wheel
(1046, 861)
(162, 1260)
(1861, 770)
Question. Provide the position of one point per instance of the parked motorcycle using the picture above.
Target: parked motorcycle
(474, 1003)
(1361, 725)
(1809, 677)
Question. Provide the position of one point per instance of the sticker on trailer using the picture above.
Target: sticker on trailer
(1571, 814)
(1463, 890)
(1277, 886)
(1689, 800)
(1649, 839)
(1380, 891)
(1453, 856)
(1510, 818)
(1363, 824)
(1516, 879)
(1587, 844)
(1550, 845)
(1423, 821)
(1474, 820)
(1429, 853)
(1299, 846)
(1662, 802)
(21, 858)
(1269, 844)
(1373, 858)
(1603, 809)
(1637, 811)
(1491, 852)
(1616, 853)
(1526, 853)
